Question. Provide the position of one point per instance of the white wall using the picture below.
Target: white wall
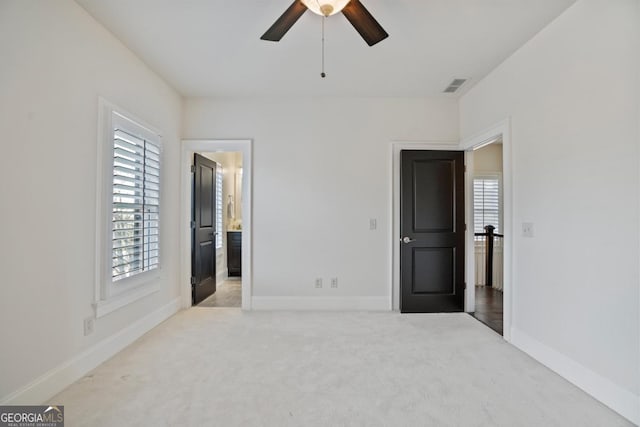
(56, 61)
(488, 159)
(321, 171)
(572, 95)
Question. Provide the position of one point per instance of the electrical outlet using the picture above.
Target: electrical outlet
(89, 323)
(527, 229)
(373, 224)
(334, 282)
(318, 283)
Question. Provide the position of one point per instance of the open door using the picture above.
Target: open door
(432, 231)
(203, 252)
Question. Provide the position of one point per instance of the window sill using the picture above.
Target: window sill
(105, 307)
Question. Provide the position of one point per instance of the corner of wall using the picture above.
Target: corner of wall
(615, 397)
(57, 379)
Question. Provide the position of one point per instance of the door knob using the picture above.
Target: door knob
(407, 240)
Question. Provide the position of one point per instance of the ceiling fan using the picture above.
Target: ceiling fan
(370, 30)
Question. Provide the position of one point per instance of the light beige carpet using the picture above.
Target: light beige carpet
(223, 367)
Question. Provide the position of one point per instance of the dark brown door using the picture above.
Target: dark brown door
(203, 258)
(432, 231)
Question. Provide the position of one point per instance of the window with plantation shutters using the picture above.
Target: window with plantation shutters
(486, 203)
(128, 240)
(136, 200)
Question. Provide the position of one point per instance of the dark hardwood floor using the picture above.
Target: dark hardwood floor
(489, 307)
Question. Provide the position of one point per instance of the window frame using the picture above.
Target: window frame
(110, 294)
(488, 175)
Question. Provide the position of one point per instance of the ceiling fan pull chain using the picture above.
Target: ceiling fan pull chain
(323, 74)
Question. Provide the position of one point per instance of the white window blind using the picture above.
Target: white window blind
(219, 207)
(136, 201)
(486, 203)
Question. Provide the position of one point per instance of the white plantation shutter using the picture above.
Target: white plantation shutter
(136, 200)
(486, 203)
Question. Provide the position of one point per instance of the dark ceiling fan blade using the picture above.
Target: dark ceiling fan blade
(364, 22)
(285, 22)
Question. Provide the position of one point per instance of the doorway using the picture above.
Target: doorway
(217, 229)
(488, 230)
(500, 130)
(231, 213)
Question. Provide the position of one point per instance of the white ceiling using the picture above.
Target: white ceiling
(213, 47)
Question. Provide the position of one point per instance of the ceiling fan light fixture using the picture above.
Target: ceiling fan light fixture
(325, 7)
(355, 12)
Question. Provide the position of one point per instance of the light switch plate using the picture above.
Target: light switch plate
(373, 224)
(527, 229)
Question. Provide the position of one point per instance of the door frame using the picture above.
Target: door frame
(188, 148)
(501, 130)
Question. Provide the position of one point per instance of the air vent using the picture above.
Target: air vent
(454, 85)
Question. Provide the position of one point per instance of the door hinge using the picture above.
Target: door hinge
(193, 280)
(192, 224)
(465, 168)
(465, 285)
(465, 227)
(193, 168)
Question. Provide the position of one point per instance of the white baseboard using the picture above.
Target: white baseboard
(615, 397)
(321, 303)
(52, 382)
